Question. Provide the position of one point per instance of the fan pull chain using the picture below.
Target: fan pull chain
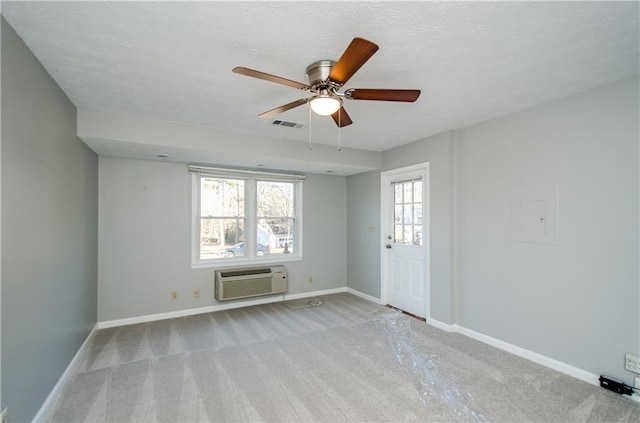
(339, 131)
(310, 147)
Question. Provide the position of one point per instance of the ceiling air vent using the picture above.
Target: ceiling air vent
(287, 124)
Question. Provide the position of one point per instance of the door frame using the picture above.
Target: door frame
(385, 215)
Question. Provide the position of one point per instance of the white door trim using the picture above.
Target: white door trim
(385, 215)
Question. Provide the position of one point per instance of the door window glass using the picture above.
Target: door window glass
(407, 218)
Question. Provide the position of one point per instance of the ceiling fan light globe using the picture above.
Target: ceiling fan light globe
(325, 106)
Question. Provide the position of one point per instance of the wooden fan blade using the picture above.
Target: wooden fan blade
(356, 55)
(271, 78)
(284, 108)
(341, 118)
(382, 95)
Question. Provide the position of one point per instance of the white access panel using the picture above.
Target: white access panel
(534, 213)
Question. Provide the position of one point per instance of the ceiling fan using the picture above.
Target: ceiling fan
(326, 77)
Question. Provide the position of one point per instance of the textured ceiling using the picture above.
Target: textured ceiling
(473, 61)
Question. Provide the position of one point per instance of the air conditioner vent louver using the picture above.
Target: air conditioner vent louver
(252, 282)
(287, 124)
(245, 272)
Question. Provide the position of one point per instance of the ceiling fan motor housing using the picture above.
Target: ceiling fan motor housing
(318, 74)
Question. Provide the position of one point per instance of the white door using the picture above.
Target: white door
(405, 230)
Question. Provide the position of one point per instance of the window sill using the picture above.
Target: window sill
(245, 263)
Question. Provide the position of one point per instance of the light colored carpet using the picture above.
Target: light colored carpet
(348, 360)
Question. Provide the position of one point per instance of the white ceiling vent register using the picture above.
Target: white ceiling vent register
(287, 123)
(250, 282)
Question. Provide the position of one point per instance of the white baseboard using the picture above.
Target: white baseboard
(217, 307)
(531, 356)
(315, 293)
(634, 397)
(363, 296)
(551, 363)
(62, 380)
(440, 325)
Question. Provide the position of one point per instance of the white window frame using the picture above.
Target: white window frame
(250, 178)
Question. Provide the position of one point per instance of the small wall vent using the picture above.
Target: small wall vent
(287, 124)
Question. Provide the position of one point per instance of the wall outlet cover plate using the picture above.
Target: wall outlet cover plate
(632, 362)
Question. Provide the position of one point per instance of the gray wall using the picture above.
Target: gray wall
(577, 301)
(49, 231)
(363, 243)
(145, 239)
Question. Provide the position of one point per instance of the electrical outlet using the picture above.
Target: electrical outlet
(4, 415)
(636, 382)
(310, 279)
(632, 362)
(196, 293)
(174, 295)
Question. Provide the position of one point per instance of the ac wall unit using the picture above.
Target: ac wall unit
(251, 282)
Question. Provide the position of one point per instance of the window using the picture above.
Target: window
(407, 216)
(245, 217)
(222, 216)
(276, 216)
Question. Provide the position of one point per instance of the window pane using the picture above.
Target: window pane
(417, 191)
(397, 218)
(417, 214)
(417, 235)
(221, 197)
(408, 236)
(408, 213)
(276, 236)
(398, 239)
(276, 221)
(408, 192)
(397, 193)
(275, 199)
(220, 238)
